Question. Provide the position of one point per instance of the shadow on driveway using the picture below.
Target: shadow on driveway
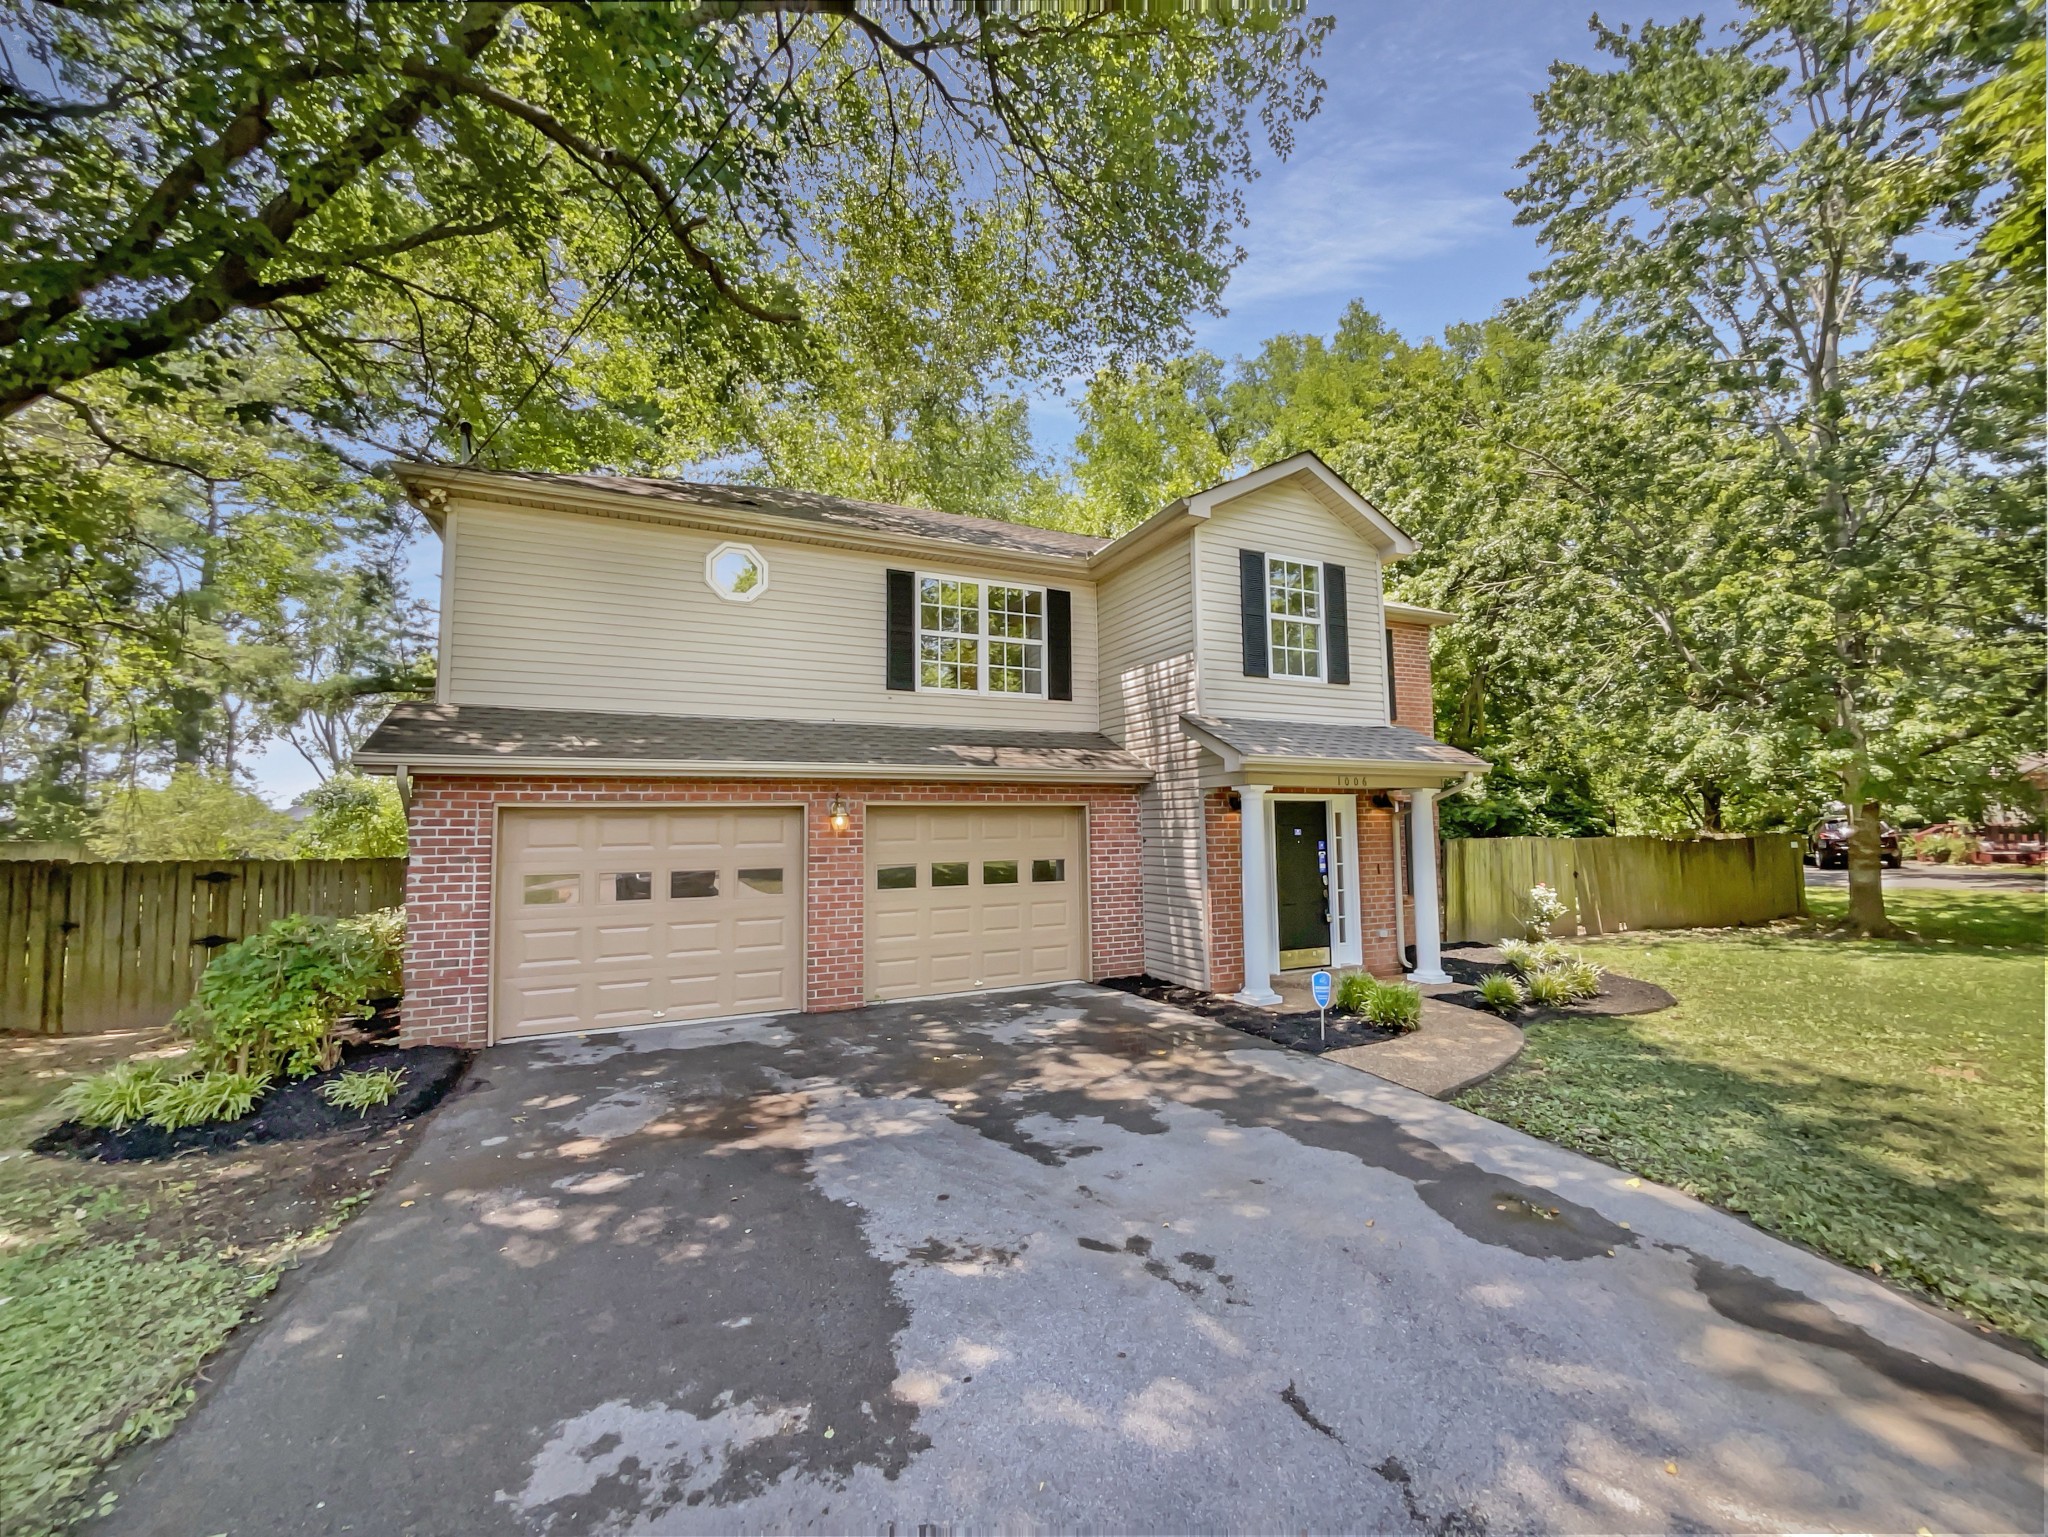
(1061, 1258)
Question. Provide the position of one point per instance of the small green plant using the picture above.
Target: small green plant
(1581, 978)
(1548, 990)
(363, 1091)
(201, 1097)
(1352, 991)
(1526, 957)
(1501, 993)
(121, 1096)
(1390, 1005)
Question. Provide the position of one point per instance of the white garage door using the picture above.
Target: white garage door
(611, 918)
(963, 897)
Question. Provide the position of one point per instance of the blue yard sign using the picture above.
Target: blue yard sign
(1319, 985)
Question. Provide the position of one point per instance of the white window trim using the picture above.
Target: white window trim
(734, 547)
(1322, 620)
(981, 688)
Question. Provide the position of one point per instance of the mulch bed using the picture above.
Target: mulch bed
(290, 1112)
(1471, 964)
(1297, 1032)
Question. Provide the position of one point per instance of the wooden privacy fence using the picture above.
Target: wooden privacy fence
(112, 946)
(1621, 883)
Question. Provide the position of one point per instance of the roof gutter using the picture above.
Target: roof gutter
(675, 768)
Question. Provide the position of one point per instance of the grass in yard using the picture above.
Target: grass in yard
(117, 1282)
(1880, 1100)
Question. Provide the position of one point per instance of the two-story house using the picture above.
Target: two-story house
(702, 751)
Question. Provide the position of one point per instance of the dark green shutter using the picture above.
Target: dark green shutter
(1059, 643)
(1251, 604)
(1393, 698)
(1337, 612)
(902, 641)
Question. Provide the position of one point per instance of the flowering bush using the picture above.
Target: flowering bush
(1544, 908)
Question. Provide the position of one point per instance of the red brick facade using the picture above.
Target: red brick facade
(1414, 704)
(453, 820)
(1224, 851)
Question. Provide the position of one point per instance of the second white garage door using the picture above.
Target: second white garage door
(962, 898)
(629, 917)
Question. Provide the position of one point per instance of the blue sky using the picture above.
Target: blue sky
(1395, 194)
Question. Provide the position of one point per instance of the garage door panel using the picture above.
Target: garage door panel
(648, 913)
(993, 931)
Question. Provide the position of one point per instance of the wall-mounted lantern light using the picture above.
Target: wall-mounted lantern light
(836, 813)
(1236, 801)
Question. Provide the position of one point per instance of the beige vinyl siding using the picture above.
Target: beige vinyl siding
(553, 610)
(1148, 683)
(1288, 521)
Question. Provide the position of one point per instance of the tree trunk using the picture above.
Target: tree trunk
(1866, 871)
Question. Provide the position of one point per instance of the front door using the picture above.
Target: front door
(1301, 868)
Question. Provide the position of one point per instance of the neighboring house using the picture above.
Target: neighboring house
(703, 751)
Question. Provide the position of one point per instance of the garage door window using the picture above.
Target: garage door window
(1048, 870)
(630, 885)
(693, 883)
(951, 873)
(549, 890)
(895, 877)
(769, 881)
(999, 872)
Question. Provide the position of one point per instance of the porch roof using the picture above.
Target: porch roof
(1329, 745)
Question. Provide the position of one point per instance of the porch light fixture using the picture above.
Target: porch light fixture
(836, 813)
(1236, 801)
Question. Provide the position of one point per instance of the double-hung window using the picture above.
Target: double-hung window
(1294, 617)
(980, 637)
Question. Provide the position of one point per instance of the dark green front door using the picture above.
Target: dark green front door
(1301, 866)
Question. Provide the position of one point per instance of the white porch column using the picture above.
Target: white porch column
(1429, 959)
(1255, 866)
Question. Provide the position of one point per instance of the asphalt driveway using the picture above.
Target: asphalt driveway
(1062, 1259)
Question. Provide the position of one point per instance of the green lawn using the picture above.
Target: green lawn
(1879, 1100)
(117, 1282)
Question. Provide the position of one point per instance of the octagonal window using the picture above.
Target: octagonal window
(736, 572)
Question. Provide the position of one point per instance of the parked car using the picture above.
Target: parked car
(1828, 844)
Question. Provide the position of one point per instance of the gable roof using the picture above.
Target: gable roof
(822, 512)
(430, 486)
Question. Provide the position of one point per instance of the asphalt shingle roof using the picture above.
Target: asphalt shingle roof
(827, 512)
(1331, 742)
(500, 734)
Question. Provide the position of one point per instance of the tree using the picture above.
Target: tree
(1751, 213)
(196, 815)
(352, 816)
(468, 197)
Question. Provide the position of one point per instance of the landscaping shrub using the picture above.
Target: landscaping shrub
(1548, 990)
(1526, 957)
(1579, 976)
(271, 1003)
(1541, 912)
(268, 1005)
(1390, 1005)
(1501, 993)
(365, 1091)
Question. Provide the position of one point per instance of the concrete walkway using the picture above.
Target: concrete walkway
(1915, 876)
(1061, 1260)
(1449, 1051)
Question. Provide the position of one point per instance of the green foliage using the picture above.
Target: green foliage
(1541, 910)
(1501, 993)
(1942, 846)
(270, 1003)
(1390, 1005)
(1526, 956)
(104, 1335)
(197, 1098)
(1548, 988)
(363, 1091)
(122, 1095)
(1579, 977)
(382, 934)
(196, 815)
(1797, 1083)
(352, 816)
